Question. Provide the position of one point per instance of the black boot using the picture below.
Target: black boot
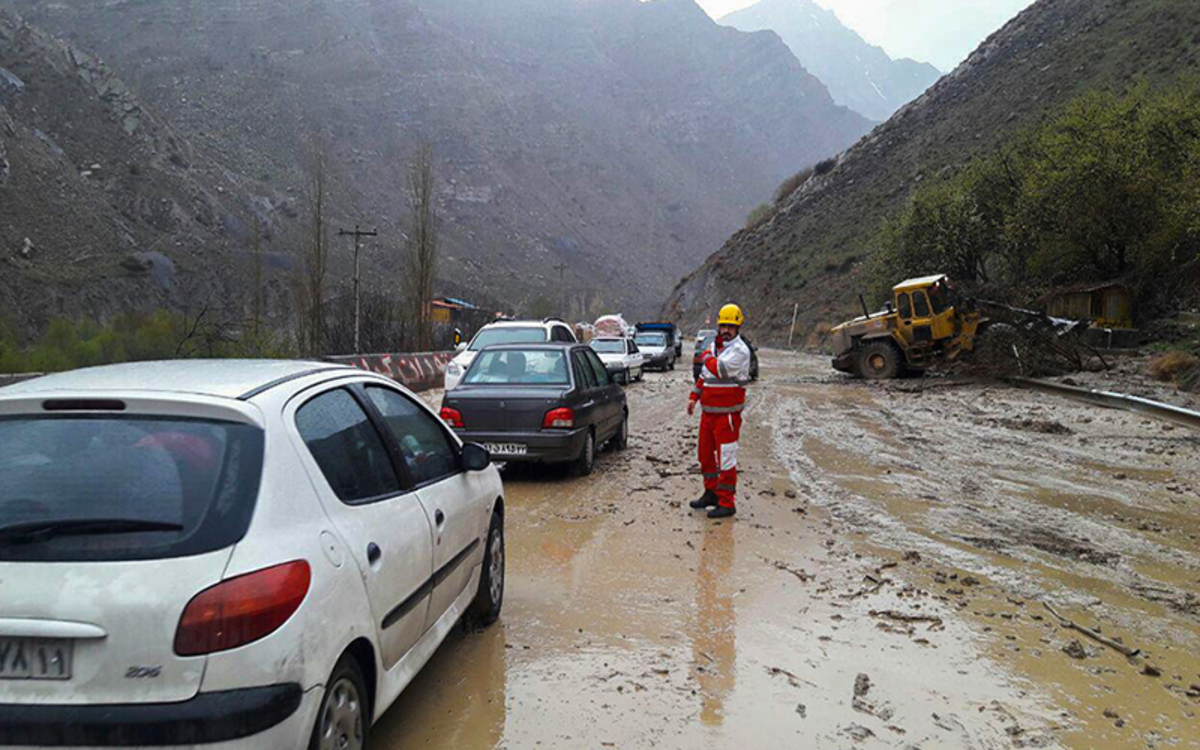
(721, 511)
(708, 500)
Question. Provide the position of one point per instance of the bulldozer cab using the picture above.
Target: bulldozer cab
(925, 311)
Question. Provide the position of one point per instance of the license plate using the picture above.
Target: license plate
(506, 449)
(35, 659)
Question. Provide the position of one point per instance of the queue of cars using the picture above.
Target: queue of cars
(263, 554)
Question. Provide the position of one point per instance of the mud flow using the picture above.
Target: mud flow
(881, 586)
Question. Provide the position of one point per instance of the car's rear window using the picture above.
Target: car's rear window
(609, 346)
(518, 367)
(69, 483)
(493, 336)
(650, 339)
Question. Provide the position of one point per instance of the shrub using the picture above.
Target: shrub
(792, 184)
(826, 166)
(1173, 366)
(760, 216)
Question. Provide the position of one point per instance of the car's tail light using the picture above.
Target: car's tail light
(452, 417)
(242, 610)
(559, 419)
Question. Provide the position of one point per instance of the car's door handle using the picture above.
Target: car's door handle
(373, 553)
(588, 405)
(439, 518)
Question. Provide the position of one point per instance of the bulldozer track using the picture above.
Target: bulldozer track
(1110, 400)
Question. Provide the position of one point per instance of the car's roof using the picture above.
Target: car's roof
(920, 283)
(230, 378)
(524, 324)
(539, 345)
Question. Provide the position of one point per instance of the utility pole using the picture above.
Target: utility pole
(357, 234)
(561, 268)
(795, 312)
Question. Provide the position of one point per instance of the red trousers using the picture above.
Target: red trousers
(718, 454)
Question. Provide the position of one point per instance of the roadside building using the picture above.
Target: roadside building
(1108, 305)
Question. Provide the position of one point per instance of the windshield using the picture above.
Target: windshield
(492, 336)
(519, 367)
(650, 339)
(609, 346)
(194, 480)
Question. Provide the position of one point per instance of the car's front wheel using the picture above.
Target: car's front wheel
(485, 609)
(344, 719)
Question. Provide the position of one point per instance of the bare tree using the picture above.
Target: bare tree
(422, 248)
(309, 280)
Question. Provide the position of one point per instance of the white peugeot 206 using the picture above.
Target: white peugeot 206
(230, 554)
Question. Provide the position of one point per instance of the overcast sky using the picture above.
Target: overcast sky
(942, 32)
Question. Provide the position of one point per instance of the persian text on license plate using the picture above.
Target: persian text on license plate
(506, 449)
(35, 659)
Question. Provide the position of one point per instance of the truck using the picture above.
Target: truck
(927, 323)
(674, 338)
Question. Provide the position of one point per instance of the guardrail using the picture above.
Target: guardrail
(1110, 400)
(417, 372)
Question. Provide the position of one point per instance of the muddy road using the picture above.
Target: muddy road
(881, 586)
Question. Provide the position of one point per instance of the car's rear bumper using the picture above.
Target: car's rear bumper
(264, 718)
(544, 446)
(660, 361)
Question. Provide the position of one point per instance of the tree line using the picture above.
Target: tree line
(1105, 189)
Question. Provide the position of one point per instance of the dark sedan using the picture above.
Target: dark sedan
(550, 403)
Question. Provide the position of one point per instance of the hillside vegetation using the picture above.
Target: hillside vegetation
(1108, 189)
(814, 249)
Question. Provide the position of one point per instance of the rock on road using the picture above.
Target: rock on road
(880, 586)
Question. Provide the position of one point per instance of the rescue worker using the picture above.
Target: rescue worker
(721, 393)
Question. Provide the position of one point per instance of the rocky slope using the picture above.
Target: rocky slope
(858, 75)
(588, 150)
(810, 252)
(103, 206)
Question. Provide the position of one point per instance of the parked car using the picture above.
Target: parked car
(506, 332)
(549, 403)
(252, 555)
(706, 342)
(622, 358)
(656, 348)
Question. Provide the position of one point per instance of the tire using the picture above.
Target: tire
(583, 465)
(485, 608)
(671, 365)
(620, 441)
(625, 377)
(344, 719)
(879, 360)
(641, 374)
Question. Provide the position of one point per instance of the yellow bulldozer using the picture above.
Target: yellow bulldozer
(928, 323)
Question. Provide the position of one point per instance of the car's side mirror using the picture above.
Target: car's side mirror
(475, 457)
(461, 347)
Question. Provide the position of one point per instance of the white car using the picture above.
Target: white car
(506, 332)
(621, 357)
(230, 554)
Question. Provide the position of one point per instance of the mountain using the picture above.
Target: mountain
(859, 76)
(588, 151)
(811, 250)
(104, 206)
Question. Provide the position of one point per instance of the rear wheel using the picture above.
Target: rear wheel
(641, 374)
(587, 456)
(879, 360)
(344, 719)
(485, 609)
(620, 441)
